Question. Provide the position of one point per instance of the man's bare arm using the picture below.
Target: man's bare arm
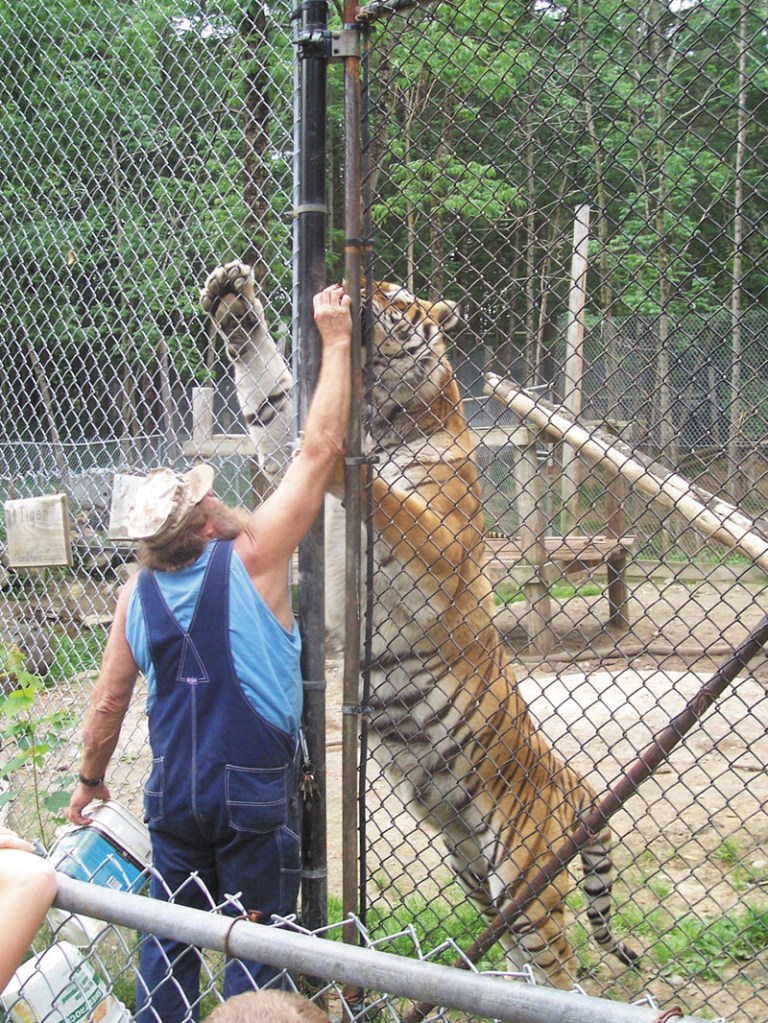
(278, 525)
(109, 703)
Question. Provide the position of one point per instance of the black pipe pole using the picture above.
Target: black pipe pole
(312, 51)
(352, 483)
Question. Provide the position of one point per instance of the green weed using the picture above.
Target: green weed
(707, 948)
(73, 656)
(727, 853)
(27, 736)
(510, 593)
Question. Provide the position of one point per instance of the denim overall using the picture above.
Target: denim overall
(221, 800)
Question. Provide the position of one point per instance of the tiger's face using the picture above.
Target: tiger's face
(408, 351)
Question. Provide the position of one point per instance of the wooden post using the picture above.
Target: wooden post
(616, 564)
(532, 547)
(202, 415)
(574, 360)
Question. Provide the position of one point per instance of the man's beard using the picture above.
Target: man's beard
(229, 522)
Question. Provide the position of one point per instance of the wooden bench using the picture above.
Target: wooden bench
(573, 553)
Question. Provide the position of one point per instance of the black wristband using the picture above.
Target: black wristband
(91, 783)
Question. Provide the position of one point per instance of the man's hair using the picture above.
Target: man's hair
(267, 1007)
(189, 544)
(181, 550)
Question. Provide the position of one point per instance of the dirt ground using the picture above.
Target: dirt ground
(600, 696)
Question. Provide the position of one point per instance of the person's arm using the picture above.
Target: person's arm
(109, 704)
(277, 526)
(27, 889)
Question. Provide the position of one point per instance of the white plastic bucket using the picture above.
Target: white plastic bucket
(114, 852)
(59, 986)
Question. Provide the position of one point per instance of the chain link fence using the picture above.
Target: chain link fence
(587, 181)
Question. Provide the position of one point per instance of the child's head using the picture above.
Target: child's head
(267, 1007)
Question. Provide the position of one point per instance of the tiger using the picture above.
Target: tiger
(448, 724)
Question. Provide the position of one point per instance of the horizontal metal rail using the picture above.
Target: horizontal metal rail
(483, 996)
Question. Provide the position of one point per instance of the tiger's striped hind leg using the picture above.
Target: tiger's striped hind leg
(262, 378)
(597, 884)
(536, 939)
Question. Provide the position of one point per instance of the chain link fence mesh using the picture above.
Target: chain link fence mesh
(587, 181)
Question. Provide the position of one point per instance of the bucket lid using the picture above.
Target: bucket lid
(122, 827)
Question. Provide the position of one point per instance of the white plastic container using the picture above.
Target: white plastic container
(114, 852)
(59, 986)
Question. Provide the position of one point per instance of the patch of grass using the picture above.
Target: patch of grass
(564, 591)
(73, 656)
(705, 949)
(632, 919)
(510, 593)
(727, 853)
(418, 925)
(660, 887)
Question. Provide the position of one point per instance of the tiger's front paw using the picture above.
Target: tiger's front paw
(229, 297)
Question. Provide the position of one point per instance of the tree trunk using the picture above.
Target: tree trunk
(253, 29)
(735, 476)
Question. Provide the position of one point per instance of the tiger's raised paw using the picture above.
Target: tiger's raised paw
(229, 298)
(233, 278)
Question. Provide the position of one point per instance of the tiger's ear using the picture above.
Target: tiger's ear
(446, 314)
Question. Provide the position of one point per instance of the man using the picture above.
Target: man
(209, 621)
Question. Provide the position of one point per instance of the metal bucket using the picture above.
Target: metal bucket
(114, 852)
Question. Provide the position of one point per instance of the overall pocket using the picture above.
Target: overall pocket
(256, 797)
(154, 804)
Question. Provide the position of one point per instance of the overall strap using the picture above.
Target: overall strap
(179, 654)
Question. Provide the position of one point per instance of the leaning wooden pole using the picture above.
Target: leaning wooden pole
(709, 515)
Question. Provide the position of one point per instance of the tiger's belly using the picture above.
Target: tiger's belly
(418, 711)
(407, 604)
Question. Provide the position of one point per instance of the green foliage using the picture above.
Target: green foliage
(75, 655)
(707, 949)
(429, 923)
(727, 853)
(694, 947)
(28, 735)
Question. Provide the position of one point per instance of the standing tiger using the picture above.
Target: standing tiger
(448, 723)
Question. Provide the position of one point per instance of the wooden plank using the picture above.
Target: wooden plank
(499, 435)
(707, 513)
(571, 548)
(574, 357)
(220, 444)
(38, 532)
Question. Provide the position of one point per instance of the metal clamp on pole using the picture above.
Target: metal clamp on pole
(313, 42)
(353, 460)
(346, 43)
(357, 709)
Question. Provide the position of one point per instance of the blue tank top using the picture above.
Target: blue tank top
(264, 654)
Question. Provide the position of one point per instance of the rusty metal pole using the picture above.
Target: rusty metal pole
(646, 762)
(350, 49)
